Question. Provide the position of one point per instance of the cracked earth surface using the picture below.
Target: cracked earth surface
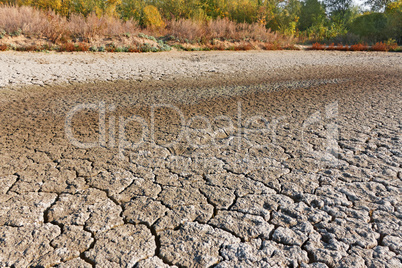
(297, 167)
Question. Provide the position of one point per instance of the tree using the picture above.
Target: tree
(341, 13)
(289, 17)
(243, 10)
(394, 14)
(371, 26)
(152, 18)
(312, 13)
(131, 9)
(338, 7)
(378, 5)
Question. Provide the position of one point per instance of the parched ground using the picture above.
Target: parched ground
(248, 159)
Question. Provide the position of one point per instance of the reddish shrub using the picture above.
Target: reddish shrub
(379, 47)
(82, 47)
(317, 46)
(342, 47)
(272, 46)
(111, 49)
(359, 47)
(331, 47)
(67, 47)
(3, 47)
(244, 46)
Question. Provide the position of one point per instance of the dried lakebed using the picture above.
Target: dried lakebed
(295, 164)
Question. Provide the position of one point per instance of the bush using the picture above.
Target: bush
(331, 46)
(392, 44)
(359, 47)
(146, 48)
(379, 47)
(82, 47)
(133, 49)
(67, 47)
(317, 46)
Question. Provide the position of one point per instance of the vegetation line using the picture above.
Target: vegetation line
(150, 26)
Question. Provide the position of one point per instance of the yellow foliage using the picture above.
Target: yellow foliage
(110, 9)
(152, 18)
(65, 7)
(47, 4)
(393, 7)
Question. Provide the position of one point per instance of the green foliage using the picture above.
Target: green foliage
(242, 10)
(142, 35)
(380, 26)
(394, 25)
(370, 26)
(312, 13)
(338, 7)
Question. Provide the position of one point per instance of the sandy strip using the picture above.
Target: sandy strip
(60, 68)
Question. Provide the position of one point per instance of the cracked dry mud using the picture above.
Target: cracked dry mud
(296, 167)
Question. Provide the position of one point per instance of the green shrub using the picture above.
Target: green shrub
(146, 48)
